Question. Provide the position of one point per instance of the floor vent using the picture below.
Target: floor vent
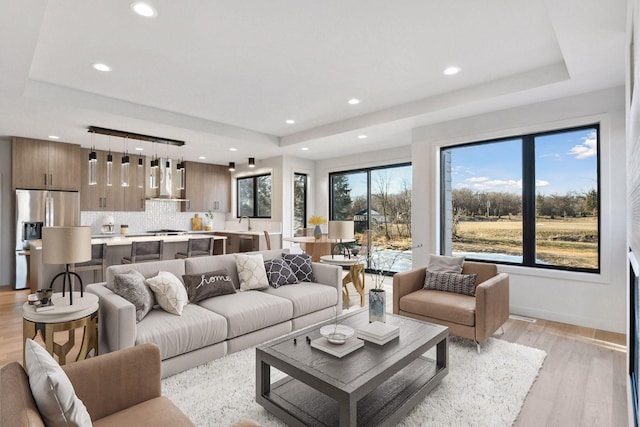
(524, 319)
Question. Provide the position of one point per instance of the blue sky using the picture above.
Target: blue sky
(564, 162)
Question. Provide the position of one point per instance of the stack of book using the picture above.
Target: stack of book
(337, 350)
(378, 333)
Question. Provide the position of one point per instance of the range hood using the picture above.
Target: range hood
(166, 182)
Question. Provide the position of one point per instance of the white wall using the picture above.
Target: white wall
(7, 228)
(591, 300)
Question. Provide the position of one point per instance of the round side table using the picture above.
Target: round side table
(64, 317)
(355, 275)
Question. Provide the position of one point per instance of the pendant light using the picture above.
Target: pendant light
(124, 169)
(93, 162)
(252, 162)
(153, 170)
(232, 166)
(181, 173)
(109, 166)
(140, 172)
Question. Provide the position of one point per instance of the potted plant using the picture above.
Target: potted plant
(380, 262)
(209, 215)
(317, 221)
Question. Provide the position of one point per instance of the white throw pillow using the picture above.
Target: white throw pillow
(170, 292)
(251, 272)
(445, 264)
(52, 390)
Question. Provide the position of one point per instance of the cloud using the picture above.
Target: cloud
(483, 183)
(477, 179)
(588, 148)
(541, 183)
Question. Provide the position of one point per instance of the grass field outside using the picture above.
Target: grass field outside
(570, 242)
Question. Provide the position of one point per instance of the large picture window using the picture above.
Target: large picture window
(379, 200)
(254, 196)
(530, 200)
(300, 181)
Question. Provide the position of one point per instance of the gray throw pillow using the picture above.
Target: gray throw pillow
(445, 264)
(300, 264)
(208, 285)
(132, 287)
(451, 282)
(279, 273)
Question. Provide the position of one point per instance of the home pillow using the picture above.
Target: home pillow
(52, 390)
(445, 264)
(170, 292)
(251, 272)
(208, 285)
(451, 282)
(132, 287)
(279, 273)
(300, 264)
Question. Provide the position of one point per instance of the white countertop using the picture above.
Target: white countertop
(246, 233)
(120, 240)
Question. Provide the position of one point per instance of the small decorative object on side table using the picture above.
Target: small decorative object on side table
(317, 221)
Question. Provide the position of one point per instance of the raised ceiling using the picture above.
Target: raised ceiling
(222, 74)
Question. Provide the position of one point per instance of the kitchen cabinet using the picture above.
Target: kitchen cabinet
(45, 165)
(239, 242)
(115, 197)
(207, 187)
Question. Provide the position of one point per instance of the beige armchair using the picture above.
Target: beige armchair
(476, 318)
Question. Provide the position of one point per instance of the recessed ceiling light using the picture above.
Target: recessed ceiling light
(305, 148)
(450, 71)
(202, 157)
(54, 137)
(362, 136)
(354, 101)
(139, 149)
(143, 9)
(101, 67)
(289, 121)
(233, 149)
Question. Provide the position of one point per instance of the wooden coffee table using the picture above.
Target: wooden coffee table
(374, 385)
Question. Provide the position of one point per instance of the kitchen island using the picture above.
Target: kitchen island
(118, 246)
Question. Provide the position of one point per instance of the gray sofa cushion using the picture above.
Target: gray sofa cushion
(306, 297)
(148, 269)
(175, 335)
(133, 287)
(249, 311)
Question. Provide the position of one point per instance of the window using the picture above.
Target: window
(254, 196)
(377, 199)
(299, 201)
(531, 200)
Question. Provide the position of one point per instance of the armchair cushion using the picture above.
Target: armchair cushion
(445, 264)
(447, 306)
(450, 282)
(52, 390)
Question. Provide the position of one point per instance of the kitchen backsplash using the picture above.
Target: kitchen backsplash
(157, 215)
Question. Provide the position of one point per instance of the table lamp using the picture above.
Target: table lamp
(66, 245)
(340, 230)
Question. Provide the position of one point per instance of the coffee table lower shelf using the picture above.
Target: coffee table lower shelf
(299, 404)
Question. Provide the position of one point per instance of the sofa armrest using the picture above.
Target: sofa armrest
(330, 275)
(492, 305)
(112, 382)
(17, 407)
(406, 282)
(116, 319)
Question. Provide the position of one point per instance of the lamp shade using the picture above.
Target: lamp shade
(66, 245)
(341, 229)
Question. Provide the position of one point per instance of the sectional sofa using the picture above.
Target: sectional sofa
(217, 326)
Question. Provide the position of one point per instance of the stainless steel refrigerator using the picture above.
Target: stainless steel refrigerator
(36, 209)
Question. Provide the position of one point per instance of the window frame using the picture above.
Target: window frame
(528, 197)
(305, 195)
(254, 179)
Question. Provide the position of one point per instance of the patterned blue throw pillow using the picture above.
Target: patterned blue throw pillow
(300, 264)
(279, 273)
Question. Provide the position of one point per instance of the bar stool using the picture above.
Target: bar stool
(267, 239)
(197, 247)
(144, 252)
(98, 262)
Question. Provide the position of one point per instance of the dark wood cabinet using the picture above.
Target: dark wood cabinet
(207, 187)
(45, 165)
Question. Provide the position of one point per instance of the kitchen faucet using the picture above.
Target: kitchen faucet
(248, 222)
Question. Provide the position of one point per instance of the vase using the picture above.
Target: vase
(317, 232)
(377, 302)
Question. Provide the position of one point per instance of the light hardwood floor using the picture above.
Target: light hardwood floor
(582, 381)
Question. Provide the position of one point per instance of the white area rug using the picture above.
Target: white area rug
(486, 389)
